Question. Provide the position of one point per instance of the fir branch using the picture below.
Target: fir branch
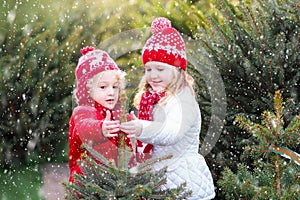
(260, 37)
(273, 124)
(98, 156)
(96, 192)
(263, 26)
(160, 178)
(257, 150)
(234, 184)
(291, 135)
(259, 131)
(79, 185)
(227, 13)
(104, 175)
(209, 48)
(221, 33)
(154, 160)
(256, 28)
(70, 191)
(140, 178)
(109, 182)
(135, 172)
(172, 194)
(271, 171)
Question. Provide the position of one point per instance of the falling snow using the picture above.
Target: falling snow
(36, 109)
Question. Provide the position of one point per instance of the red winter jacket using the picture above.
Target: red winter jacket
(86, 126)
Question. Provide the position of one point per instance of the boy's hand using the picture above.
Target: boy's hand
(133, 127)
(109, 127)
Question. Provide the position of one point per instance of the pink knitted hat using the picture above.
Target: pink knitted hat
(165, 45)
(92, 62)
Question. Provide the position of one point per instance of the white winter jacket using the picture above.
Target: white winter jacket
(175, 130)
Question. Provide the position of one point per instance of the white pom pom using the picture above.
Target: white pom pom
(159, 24)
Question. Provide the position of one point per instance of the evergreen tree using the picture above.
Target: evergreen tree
(255, 47)
(104, 179)
(107, 181)
(35, 85)
(275, 172)
(38, 56)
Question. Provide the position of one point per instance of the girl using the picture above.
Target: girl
(95, 120)
(169, 116)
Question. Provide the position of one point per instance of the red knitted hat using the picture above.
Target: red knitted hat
(165, 45)
(92, 62)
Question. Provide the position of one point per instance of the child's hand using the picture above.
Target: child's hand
(109, 127)
(131, 116)
(133, 127)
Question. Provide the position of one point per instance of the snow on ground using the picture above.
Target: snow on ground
(53, 176)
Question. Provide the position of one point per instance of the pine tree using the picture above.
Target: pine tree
(107, 181)
(275, 172)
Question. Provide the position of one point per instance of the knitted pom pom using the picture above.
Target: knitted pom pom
(159, 24)
(87, 49)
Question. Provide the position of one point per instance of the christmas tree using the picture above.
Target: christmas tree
(107, 181)
(104, 179)
(255, 47)
(275, 171)
(35, 83)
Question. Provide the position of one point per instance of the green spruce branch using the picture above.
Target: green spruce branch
(274, 174)
(102, 179)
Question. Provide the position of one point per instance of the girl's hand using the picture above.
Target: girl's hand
(133, 127)
(131, 116)
(109, 127)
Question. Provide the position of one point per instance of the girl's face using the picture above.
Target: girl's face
(159, 75)
(104, 88)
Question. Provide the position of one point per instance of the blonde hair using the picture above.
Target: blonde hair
(182, 79)
(120, 77)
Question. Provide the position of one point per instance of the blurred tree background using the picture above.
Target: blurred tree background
(254, 45)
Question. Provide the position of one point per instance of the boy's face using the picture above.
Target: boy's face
(104, 88)
(159, 75)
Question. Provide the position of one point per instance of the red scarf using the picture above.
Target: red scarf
(148, 100)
